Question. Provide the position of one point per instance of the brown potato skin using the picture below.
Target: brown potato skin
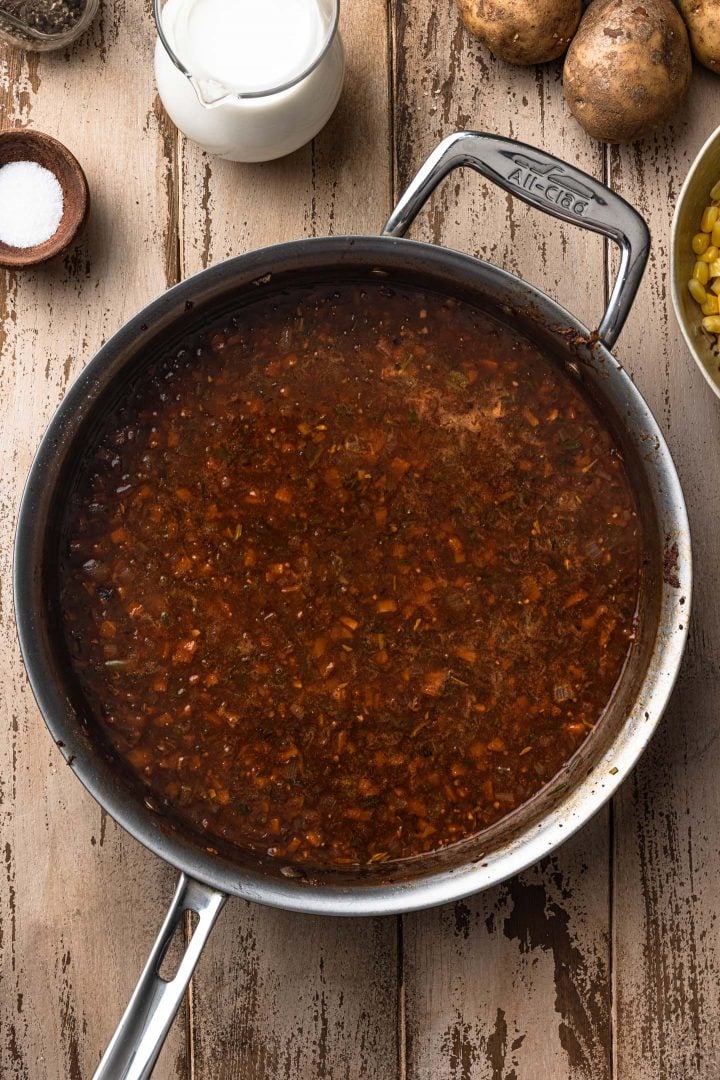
(523, 32)
(703, 23)
(627, 69)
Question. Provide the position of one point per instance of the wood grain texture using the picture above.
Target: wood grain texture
(667, 816)
(602, 962)
(513, 984)
(338, 184)
(278, 996)
(80, 902)
(445, 81)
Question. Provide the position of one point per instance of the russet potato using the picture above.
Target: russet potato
(628, 68)
(520, 31)
(703, 23)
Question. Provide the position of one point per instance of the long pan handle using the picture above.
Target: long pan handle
(549, 184)
(135, 1046)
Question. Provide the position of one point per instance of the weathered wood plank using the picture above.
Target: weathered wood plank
(667, 817)
(445, 81)
(339, 183)
(286, 997)
(513, 983)
(79, 900)
(280, 995)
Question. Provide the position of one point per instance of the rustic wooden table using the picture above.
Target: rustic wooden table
(604, 961)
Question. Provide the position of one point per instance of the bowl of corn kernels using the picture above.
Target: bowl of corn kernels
(695, 274)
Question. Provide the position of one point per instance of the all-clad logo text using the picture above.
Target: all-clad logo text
(552, 183)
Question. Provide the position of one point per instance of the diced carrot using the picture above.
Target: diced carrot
(457, 549)
(319, 647)
(184, 652)
(139, 756)
(332, 478)
(530, 589)
(398, 467)
(433, 682)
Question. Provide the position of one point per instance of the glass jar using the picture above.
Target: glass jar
(41, 25)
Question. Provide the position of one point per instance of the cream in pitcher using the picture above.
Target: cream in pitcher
(249, 80)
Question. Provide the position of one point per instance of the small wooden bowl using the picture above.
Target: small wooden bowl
(27, 145)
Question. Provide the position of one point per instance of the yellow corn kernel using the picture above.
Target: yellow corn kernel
(710, 254)
(715, 193)
(701, 272)
(697, 291)
(700, 243)
(715, 235)
(715, 287)
(711, 324)
(714, 269)
(710, 307)
(709, 218)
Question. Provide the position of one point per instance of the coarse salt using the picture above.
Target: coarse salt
(31, 204)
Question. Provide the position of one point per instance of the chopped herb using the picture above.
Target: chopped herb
(456, 380)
